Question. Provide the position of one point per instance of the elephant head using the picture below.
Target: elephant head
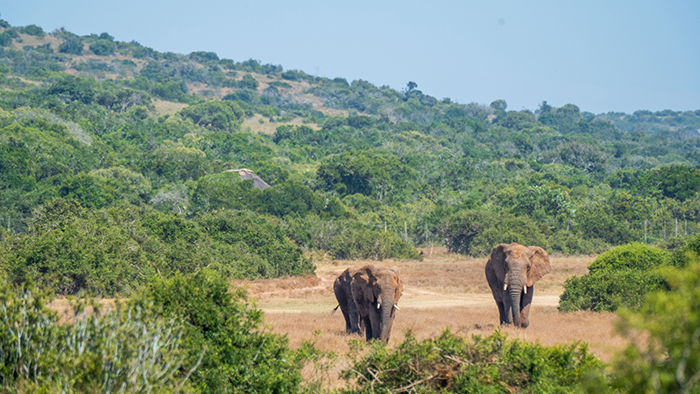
(376, 291)
(512, 271)
(343, 293)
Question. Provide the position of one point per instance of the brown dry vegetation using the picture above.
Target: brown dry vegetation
(445, 290)
(167, 107)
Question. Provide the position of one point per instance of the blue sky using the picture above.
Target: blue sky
(603, 56)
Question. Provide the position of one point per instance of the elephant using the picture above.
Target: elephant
(343, 293)
(376, 291)
(512, 271)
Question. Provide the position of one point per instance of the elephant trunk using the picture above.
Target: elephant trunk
(516, 282)
(387, 306)
(515, 302)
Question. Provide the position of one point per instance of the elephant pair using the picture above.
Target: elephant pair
(367, 296)
(512, 271)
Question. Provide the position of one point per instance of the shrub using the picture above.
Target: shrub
(128, 348)
(476, 232)
(453, 364)
(620, 277)
(682, 255)
(215, 115)
(358, 244)
(256, 235)
(103, 47)
(568, 243)
(242, 356)
(5, 39)
(668, 359)
(33, 30)
(72, 45)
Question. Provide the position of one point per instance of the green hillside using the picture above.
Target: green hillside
(113, 160)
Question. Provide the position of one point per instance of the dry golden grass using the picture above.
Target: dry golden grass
(266, 127)
(445, 290)
(167, 107)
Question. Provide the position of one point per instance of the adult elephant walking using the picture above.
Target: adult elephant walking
(343, 293)
(376, 291)
(512, 271)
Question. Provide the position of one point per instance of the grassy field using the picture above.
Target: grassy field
(445, 290)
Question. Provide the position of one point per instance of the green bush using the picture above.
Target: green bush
(453, 364)
(683, 254)
(215, 114)
(33, 30)
(72, 45)
(359, 244)
(241, 355)
(5, 39)
(620, 277)
(668, 359)
(476, 232)
(568, 243)
(128, 348)
(115, 251)
(259, 236)
(103, 47)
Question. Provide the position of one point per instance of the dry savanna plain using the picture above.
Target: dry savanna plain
(444, 290)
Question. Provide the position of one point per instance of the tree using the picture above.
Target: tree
(72, 45)
(499, 105)
(103, 47)
(215, 115)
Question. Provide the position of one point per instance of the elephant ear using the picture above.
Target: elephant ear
(539, 264)
(497, 261)
(399, 288)
(363, 284)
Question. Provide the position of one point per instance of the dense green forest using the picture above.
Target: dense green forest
(114, 155)
(114, 181)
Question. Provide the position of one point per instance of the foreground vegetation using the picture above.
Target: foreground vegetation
(102, 193)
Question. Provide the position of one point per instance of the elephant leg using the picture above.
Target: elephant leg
(368, 327)
(346, 315)
(525, 302)
(507, 308)
(354, 321)
(375, 320)
(501, 312)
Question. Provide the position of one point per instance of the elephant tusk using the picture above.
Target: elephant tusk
(505, 286)
(379, 301)
(397, 307)
(378, 305)
(525, 289)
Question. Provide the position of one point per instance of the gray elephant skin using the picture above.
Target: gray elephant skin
(376, 291)
(343, 293)
(512, 271)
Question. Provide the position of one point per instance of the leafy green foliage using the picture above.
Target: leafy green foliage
(127, 348)
(215, 115)
(114, 251)
(358, 244)
(71, 45)
(476, 232)
(103, 47)
(454, 364)
(240, 356)
(622, 276)
(668, 359)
